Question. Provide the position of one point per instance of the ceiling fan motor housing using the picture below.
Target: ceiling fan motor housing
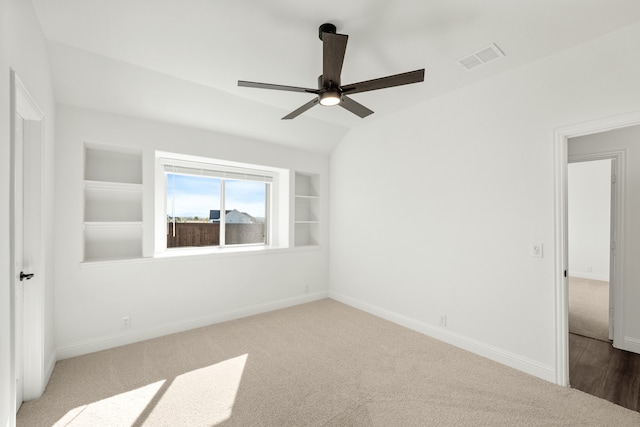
(329, 96)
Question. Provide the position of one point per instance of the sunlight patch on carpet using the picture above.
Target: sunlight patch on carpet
(200, 397)
(122, 409)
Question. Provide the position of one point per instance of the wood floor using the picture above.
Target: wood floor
(597, 368)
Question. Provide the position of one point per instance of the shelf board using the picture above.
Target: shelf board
(112, 260)
(307, 222)
(302, 196)
(112, 186)
(94, 225)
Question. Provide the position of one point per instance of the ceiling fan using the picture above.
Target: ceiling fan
(329, 91)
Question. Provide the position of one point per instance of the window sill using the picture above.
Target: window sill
(230, 251)
(189, 251)
(181, 253)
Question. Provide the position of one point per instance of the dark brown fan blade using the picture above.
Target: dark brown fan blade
(276, 87)
(385, 82)
(334, 47)
(305, 107)
(355, 107)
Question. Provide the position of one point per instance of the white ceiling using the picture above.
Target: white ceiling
(179, 61)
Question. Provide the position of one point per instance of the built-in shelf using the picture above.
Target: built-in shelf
(112, 164)
(112, 203)
(108, 201)
(307, 209)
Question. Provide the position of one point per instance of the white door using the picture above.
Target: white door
(27, 308)
(18, 255)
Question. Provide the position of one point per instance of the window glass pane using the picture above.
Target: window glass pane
(195, 203)
(246, 212)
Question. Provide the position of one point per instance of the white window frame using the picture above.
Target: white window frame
(277, 209)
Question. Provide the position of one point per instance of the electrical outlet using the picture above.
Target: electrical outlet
(536, 250)
(443, 320)
(126, 322)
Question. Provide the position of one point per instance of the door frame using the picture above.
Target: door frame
(561, 162)
(34, 371)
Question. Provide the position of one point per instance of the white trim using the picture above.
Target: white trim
(496, 354)
(632, 344)
(561, 160)
(12, 251)
(50, 365)
(561, 260)
(25, 103)
(116, 340)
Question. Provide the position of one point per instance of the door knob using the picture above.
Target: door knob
(24, 276)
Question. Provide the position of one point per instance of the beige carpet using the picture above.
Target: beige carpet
(317, 364)
(589, 308)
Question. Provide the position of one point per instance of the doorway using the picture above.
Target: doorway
(27, 248)
(561, 161)
(590, 205)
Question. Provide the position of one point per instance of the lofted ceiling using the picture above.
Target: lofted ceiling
(179, 61)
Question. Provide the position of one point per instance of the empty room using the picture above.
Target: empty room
(323, 214)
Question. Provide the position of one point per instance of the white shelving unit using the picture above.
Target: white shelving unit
(307, 209)
(112, 203)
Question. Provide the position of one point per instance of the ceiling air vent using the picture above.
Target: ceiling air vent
(481, 57)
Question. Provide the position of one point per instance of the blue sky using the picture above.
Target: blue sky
(195, 196)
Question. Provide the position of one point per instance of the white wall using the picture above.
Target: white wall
(476, 168)
(627, 139)
(22, 48)
(167, 294)
(589, 210)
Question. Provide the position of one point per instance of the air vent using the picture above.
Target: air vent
(481, 57)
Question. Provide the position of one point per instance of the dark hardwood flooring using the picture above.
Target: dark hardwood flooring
(597, 368)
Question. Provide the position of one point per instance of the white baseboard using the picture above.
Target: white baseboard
(496, 354)
(112, 341)
(590, 276)
(632, 344)
(49, 370)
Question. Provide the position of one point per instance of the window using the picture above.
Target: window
(215, 204)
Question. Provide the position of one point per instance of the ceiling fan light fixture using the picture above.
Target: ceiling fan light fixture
(330, 98)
